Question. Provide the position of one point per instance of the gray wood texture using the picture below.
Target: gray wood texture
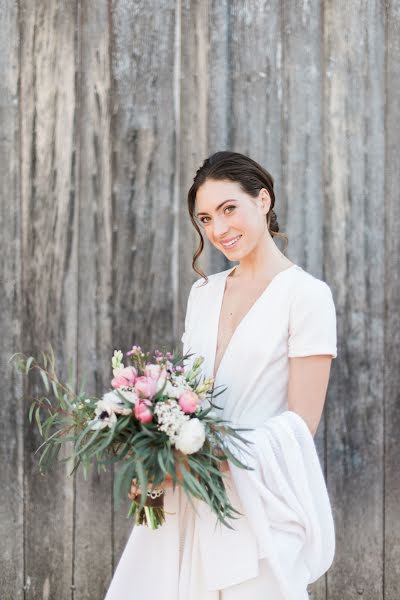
(107, 109)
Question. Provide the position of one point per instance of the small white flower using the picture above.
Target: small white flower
(170, 417)
(191, 436)
(116, 360)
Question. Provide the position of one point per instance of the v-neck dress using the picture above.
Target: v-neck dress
(294, 316)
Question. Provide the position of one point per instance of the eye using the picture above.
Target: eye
(202, 219)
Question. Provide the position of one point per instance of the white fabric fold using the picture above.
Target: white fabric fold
(288, 518)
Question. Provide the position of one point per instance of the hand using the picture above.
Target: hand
(224, 466)
(135, 488)
(166, 483)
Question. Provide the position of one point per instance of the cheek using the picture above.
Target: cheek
(245, 222)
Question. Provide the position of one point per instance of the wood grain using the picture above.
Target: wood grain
(355, 265)
(49, 284)
(107, 109)
(93, 523)
(144, 147)
(390, 206)
(12, 412)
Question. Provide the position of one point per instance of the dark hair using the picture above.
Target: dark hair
(251, 177)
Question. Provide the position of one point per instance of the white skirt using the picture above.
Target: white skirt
(166, 563)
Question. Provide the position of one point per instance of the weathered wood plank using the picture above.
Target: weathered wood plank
(12, 411)
(390, 206)
(144, 147)
(255, 113)
(49, 274)
(355, 264)
(301, 200)
(302, 192)
(204, 109)
(94, 501)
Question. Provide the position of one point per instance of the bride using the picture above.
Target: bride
(267, 330)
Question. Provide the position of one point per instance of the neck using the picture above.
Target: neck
(266, 260)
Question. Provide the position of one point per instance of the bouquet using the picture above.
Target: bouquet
(155, 422)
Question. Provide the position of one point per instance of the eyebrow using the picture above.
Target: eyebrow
(219, 206)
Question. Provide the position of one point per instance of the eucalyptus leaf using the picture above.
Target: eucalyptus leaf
(142, 480)
(32, 408)
(91, 441)
(45, 380)
(37, 419)
(28, 364)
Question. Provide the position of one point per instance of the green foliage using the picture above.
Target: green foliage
(139, 452)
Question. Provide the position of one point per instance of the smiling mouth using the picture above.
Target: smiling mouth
(232, 243)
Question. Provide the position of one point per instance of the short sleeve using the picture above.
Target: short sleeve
(312, 320)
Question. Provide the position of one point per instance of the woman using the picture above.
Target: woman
(267, 330)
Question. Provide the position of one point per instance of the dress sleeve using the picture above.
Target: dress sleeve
(312, 321)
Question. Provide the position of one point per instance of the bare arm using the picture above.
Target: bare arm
(308, 383)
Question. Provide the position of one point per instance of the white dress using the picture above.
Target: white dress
(192, 558)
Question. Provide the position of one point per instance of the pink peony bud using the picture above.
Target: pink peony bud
(142, 412)
(145, 387)
(188, 401)
(152, 371)
(124, 377)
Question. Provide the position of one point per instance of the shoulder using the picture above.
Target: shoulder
(306, 286)
(312, 317)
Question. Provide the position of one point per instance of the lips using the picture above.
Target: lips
(231, 242)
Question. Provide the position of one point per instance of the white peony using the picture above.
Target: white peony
(191, 436)
(176, 388)
(128, 395)
(160, 382)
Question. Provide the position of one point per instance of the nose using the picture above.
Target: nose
(220, 227)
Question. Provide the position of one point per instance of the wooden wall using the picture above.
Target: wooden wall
(107, 109)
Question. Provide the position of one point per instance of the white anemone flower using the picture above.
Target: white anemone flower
(114, 402)
(105, 417)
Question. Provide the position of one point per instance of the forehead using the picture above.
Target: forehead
(212, 193)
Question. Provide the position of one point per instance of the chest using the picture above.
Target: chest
(236, 305)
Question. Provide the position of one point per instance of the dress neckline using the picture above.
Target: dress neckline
(221, 296)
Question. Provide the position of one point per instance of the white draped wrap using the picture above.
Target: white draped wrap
(289, 517)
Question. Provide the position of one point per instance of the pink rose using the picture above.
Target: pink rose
(188, 401)
(124, 377)
(142, 412)
(145, 386)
